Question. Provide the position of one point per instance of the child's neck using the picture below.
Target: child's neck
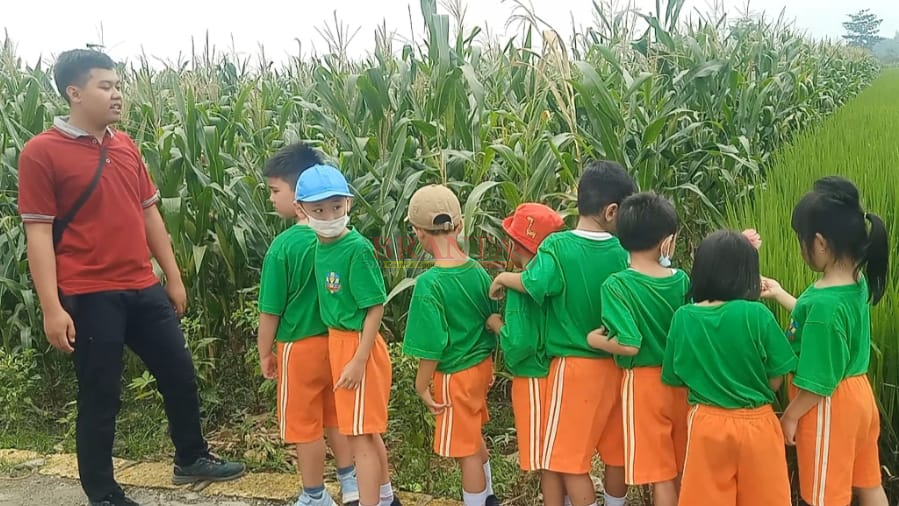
(446, 251)
(837, 274)
(302, 221)
(647, 262)
(590, 224)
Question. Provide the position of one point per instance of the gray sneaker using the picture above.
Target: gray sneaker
(208, 468)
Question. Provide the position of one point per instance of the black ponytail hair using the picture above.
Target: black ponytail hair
(833, 209)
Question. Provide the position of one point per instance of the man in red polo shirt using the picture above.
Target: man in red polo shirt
(96, 285)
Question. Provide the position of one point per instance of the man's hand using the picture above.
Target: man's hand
(269, 366)
(351, 377)
(177, 295)
(432, 405)
(60, 329)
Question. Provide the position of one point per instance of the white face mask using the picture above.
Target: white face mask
(329, 228)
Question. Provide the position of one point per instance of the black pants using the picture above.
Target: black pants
(144, 320)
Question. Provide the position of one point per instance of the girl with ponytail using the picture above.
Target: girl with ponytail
(832, 417)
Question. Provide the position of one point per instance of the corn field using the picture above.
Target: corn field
(694, 109)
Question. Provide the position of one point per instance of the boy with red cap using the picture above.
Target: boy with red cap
(446, 333)
(524, 344)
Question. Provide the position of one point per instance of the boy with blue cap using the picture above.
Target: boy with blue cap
(351, 299)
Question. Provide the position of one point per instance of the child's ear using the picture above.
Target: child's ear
(298, 208)
(610, 213)
(349, 204)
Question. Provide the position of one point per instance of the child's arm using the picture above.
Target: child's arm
(599, 340)
(506, 280)
(771, 289)
(776, 382)
(495, 323)
(798, 407)
(268, 327)
(426, 370)
(351, 377)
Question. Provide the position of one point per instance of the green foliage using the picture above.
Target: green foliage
(21, 382)
(858, 142)
(863, 29)
(694, 110)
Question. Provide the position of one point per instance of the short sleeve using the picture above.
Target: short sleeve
(779, 356)
(427, 331)
(148, 191)
(617, 316)
(37, 188)
(366, 281)
(669, 372)
(824, 352)
(543, 277)
(273, 284)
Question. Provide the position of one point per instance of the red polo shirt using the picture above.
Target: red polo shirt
(105, 246)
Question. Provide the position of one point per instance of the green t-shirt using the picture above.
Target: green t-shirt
(726, 354)
(565, 278)
(637, 310)
(448, 316)
(523, 337)
(287, 286)
(349, 281)
(831, 331)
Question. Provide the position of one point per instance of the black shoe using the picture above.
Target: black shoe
(209, 468)
(396, 501)
(492, 501)
(115, 500)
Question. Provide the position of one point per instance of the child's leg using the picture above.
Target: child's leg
(580, 489)
(311, 463)
(387, 496)
(485, 463)
(346, 471)
(610, 443)
(368, 468)
(553, 488)
(613, 481)
(664, 494)
(871, 496)
(474, 480)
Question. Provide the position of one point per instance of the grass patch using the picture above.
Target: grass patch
(860, 142)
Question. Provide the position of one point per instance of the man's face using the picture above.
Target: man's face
(99, 98)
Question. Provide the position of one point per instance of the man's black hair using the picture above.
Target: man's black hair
(725, 268)
(291, 161)
(603, 183)
(644, 220)
(74, 67)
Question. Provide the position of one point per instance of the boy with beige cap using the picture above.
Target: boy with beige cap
(446, 332)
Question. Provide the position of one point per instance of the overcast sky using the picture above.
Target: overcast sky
(163, 28)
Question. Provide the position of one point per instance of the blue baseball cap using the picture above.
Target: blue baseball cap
(321, 182)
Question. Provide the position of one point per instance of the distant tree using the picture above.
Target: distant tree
(887, 50)
(863, 29)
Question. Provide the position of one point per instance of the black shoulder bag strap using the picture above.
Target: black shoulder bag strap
(59, 225)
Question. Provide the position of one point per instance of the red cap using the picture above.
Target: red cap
(531, 223)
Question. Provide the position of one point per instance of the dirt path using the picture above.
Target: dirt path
(39, 490)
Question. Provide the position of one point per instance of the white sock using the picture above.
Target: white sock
(613, 501)
(488, 474)
(478, 499)
(567, 501)
(386, 494)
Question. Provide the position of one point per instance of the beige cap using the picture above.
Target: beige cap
(431, 202)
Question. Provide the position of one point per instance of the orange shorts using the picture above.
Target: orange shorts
(528, 398)
(582, 415)
(363, 410)
(735, 457)
(655, 427)
(836, 444)
(457, 431)
(305, 390)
